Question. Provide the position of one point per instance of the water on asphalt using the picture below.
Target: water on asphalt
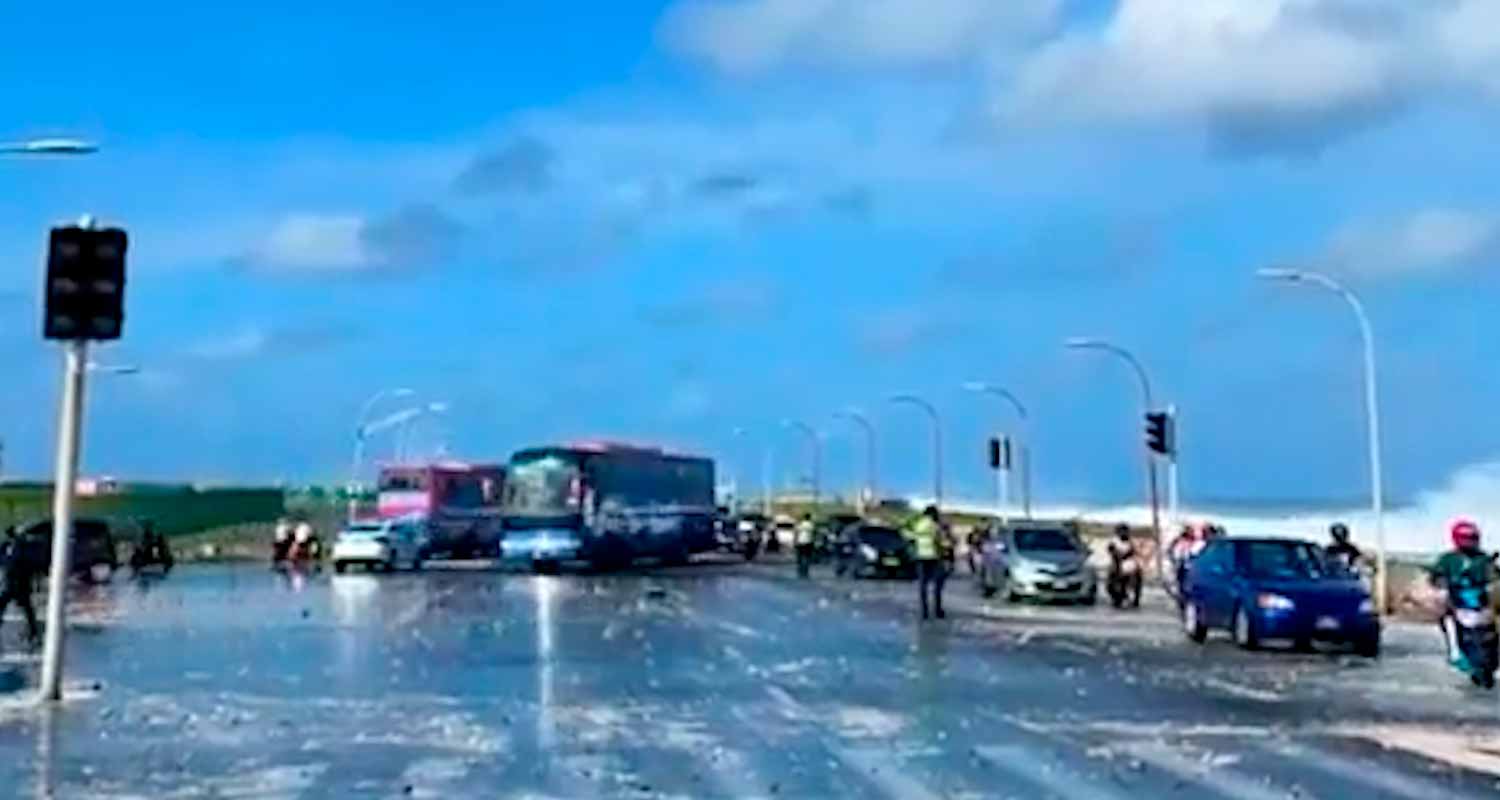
(719, 680)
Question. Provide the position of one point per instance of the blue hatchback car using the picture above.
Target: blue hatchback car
(1261, 589)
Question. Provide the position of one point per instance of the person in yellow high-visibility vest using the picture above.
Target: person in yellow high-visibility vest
(806, 537)
(929, 545)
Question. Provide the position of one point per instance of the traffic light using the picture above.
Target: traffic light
(84, 297)
(994, 453)
(1159, 434)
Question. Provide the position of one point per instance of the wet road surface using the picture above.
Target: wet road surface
(722, 680)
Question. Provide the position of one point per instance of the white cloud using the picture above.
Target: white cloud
(247, 342)
(311, 242)
(1426, 242)
(330, 244)
(748, 36)
(1260, 74)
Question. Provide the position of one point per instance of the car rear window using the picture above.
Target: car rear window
(882, 538)
(1283, 560)
(1045, 539)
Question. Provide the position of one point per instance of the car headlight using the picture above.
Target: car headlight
(1274, 602)
(868, 552)
(1367, 607)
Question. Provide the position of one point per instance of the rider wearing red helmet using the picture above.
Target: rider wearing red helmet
(1464, 568)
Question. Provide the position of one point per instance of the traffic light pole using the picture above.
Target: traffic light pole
(1174, 509)
(65, 482)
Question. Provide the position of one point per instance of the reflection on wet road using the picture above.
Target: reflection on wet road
(710, 681)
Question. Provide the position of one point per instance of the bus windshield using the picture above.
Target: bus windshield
(545, 485)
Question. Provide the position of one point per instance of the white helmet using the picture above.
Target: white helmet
(283, 530)
(304, 531)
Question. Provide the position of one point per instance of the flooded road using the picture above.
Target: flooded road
(708, 681)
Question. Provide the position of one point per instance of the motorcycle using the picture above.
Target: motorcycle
(1473, 629)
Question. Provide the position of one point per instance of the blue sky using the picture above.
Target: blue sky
(664, 220)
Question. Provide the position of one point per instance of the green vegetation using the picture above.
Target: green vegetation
(176, 511)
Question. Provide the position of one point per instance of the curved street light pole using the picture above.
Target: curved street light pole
(1372, 410)
(817, 456)
(980, 387)
(871, 463)
(1084, 343)
(403, 432)
(361, 424)
(937, 441)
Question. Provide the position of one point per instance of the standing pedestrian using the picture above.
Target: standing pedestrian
(930, 546)
(20, 576)
(806, 535)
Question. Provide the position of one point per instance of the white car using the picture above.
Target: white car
(383, 544)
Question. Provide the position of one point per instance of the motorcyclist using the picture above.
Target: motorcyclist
(281, 542)
(978, 535)
(305, 543)
(1124, 567)
(1340, 550)
(806, 538)
(1467, 574)
(152, 549)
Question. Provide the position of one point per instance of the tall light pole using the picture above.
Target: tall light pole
(937, 441)
(871, 462)
(361, 433)
(403, 432)
(1372, 409)
(817, 456)
(1084, 343)
(980, 387)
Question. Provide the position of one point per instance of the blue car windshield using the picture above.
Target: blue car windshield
(1288, 560)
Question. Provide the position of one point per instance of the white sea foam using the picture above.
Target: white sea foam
(1416, 528)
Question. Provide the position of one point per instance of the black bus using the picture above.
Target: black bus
(606, 504)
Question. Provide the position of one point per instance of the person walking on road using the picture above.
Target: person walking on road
(930, 547)
(20, 576)
(806, 536)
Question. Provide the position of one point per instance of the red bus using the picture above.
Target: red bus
(459, 503)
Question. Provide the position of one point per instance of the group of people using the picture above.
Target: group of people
(932, 548)
(295, 542)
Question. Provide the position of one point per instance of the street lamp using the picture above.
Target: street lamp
(871, 463)
(765, 473)
(1085, 343)
(817, 455)
(361, 432)
(1372, 408)
(403, 432)
(48, 147)
(937, 441)
(1003, 480)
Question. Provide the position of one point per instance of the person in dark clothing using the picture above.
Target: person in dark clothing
(1341, 551)
(20, 576)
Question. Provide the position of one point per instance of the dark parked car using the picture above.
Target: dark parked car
(95, 556)
(1260, 589)
(875, 550)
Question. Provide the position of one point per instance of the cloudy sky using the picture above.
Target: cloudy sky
(665, 219)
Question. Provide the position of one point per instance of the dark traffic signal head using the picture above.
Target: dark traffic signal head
(1159, 433)
(84, 297)
(994, 453)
